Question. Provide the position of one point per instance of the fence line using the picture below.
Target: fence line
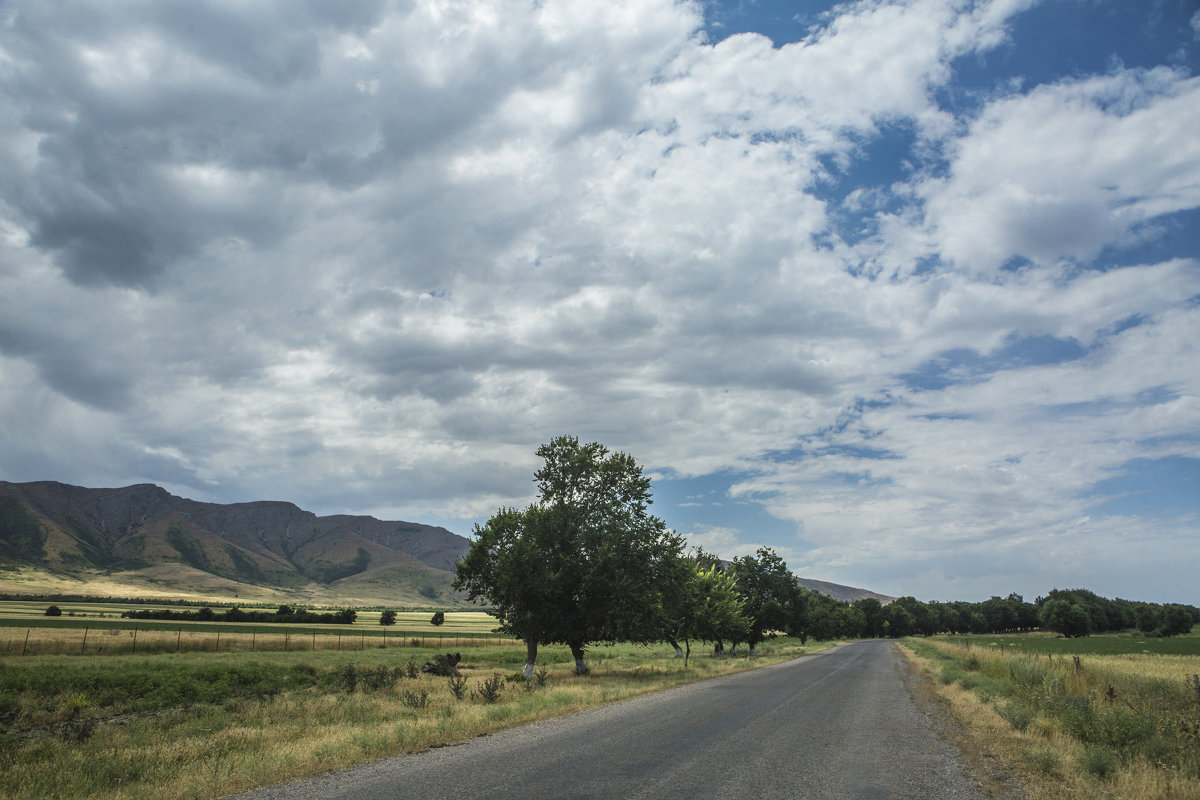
(177, 639)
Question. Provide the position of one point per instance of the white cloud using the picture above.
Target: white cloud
(366, 258)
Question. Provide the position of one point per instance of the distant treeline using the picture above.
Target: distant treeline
(1070, 612)
(345, 616)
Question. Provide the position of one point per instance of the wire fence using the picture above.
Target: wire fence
(161, 639)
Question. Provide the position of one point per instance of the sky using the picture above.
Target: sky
(907, 291)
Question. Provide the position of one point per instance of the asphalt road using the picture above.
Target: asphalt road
(834, 725)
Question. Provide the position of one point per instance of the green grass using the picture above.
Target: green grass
(1129, 716)
(1101, 644)
(208, 724)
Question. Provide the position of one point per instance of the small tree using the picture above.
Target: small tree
(707, 608)
(770, 592)
(1175, 621)
(388, 617)
(53, 611)
(438, 618)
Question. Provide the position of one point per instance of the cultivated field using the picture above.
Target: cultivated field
(205, 724)
(97, 628)
(1103, 716)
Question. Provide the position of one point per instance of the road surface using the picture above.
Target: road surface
(834, 725)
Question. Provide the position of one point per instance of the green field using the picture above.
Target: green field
(95, 628)
(204, 724)
(1110, 644)
(1113, 715)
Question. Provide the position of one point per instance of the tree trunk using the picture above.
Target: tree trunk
(577, 651)
(530, 658)
(678, 649)
(687, 654)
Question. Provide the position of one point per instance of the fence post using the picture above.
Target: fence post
(314, 640)
(218, 641)
(83, 649)
(135, 640)
(26, 642)
(285, 640)
(178, 636)
(252, 635)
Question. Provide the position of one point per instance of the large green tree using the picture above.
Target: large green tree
(770, 592)
(704, 606)
(585, 563)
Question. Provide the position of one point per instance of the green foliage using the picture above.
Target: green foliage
(53, 611)
(1069, 619)
(438, 618)
(190, 551)
(703, 604)
(414, 698)
(583, 564)
(458, 686)
(489, 690)
(387, 617)
(411, 670)
(769, 593)
(78, 724)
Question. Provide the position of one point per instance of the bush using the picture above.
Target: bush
(458, 687)
(410, 670)
(379, 677)
(489, 690)
(348, 675)
(53, 611)
(414, 699)
(1018, 715)
(78, 723)
(1100, 761)
(388, 617)
(438, 618)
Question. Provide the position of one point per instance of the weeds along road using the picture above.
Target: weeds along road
(836, 724)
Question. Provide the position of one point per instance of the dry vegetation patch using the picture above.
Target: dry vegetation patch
(220, 723)
(1125, 726)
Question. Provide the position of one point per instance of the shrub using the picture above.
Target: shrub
(410, 670)
(53, 611)
(1100, 761)
(458, 687)
(438, 618)
(379, 677)
(489, 690)
(388, 617)
(1018, 715)
(348, 675)
(78, 723)
(1043, 761)
(414, 699)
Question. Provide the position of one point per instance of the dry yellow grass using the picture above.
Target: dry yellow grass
(1049, 763)
(210, 751)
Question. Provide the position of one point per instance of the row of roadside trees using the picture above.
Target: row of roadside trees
(587, 563)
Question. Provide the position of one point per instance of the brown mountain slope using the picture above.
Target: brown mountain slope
(149, 542)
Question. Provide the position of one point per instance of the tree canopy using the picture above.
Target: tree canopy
(584, 563)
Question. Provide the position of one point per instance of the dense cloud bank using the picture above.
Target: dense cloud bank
(366, 256)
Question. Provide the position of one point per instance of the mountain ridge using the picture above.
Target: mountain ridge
(143, 541)
(147, 538)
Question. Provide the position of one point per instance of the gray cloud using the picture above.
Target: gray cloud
(365, 257)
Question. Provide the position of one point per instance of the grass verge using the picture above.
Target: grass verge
(194, 725)
(1124, 726)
